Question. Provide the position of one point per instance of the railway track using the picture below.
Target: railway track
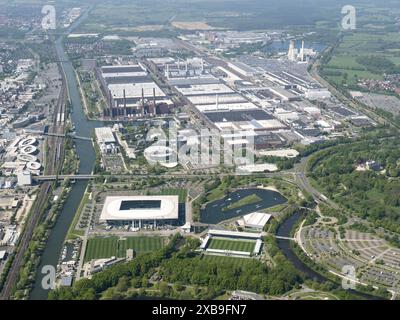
(53, 162)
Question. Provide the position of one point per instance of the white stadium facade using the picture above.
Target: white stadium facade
(140, 211)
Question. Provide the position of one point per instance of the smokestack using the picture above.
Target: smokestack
(216, 101)
(291, 51)
(154, 101)
(302, 51)
(142, 106)
(167, 71)
(124, 98)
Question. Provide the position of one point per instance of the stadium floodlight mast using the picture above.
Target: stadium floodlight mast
(49, 19)
(237, 147)
(349, 20)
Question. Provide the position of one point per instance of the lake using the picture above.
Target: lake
(213, 212)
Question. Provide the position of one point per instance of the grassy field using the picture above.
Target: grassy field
(232, 245)
(234, 262)
(182, 193)
(343, 68)
(72, 232)
(99, 248)
(139, 244)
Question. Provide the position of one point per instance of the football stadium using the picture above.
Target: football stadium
(232, 243)
(140, 211)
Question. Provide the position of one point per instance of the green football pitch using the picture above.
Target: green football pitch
(231, 245)
(99, 248)
(232, 261)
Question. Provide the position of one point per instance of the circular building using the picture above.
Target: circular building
(26, 158)
(29, 149)
(165, 156)
(33, 166)
(30, 141)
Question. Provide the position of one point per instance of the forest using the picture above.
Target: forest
(371, 194)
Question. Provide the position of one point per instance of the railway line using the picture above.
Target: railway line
(52, 165)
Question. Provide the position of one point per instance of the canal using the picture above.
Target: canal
(86, 153)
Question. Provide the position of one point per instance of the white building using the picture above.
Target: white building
(255, 220)
(140, 211)
(106, 140)
(24, 178)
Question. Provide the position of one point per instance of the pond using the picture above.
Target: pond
(218, 210)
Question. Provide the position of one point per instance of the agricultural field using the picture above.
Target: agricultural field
(346, 65)
(99, 248)
(231, 245)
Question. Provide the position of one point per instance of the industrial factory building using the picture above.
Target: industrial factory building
(130, 92)
(140, 211)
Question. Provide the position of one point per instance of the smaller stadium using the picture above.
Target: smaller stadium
(140, 211)
(232, 243)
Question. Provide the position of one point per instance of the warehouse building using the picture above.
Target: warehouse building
(131, 92)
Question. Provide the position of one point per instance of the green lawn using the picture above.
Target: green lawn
(182, 193)
(232, 245)
(98, 248)
(139, 244)
(233, 261)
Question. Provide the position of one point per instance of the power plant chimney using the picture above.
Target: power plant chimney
(124, 98)
(302, 51)
(291, 56)
(154, 101)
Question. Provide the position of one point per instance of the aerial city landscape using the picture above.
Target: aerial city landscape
(200, 150)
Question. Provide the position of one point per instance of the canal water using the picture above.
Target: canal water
(85, 151)
(215, 212)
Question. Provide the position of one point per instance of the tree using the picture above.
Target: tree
(122, 285)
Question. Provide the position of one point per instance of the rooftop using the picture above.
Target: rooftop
(140, 208)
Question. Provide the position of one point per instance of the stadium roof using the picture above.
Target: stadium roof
(124, 208)
(236, 234)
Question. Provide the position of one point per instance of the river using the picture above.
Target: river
(86, 153)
